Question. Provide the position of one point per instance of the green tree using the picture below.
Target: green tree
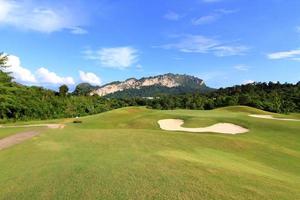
(83, 89)
(4, 76)
(3, 60)
(63, 90)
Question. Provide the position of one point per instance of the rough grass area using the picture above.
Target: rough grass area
(123, 154)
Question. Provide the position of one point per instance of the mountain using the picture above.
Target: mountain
(153, 86)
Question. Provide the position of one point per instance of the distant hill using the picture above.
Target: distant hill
(153, 86)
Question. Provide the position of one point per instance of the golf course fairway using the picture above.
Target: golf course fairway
(123, 154)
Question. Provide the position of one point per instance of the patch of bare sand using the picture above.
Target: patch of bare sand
(271, 117)
(20, 137)
(16, 139)
(225, 128)
(52, 126)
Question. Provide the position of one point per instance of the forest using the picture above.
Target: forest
(274, 97)
(19, 102)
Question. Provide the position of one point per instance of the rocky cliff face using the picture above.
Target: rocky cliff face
(167, 80)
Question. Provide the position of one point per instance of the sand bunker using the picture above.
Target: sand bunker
(176, 125)
(271, 117)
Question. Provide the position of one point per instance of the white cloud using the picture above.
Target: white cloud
(78, 31)
(248, 82)
(178, 58)
(226, 11)
(139, 67)
(5, 8)
(202, 44)
(224, 50)
(116, 57)
(173, 16)
(91, 54)
(45, 76)
(28, 16)
(205, 19)
(296, 59)
(211, 1)
(213, 75)
(41, 76)
(90, 78)
(241, 67)
(20, 73)
(284, 54)
(192, 43)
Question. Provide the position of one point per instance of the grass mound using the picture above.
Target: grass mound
(245, 109)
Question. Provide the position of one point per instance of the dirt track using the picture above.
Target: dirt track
(16, 139)
(20, 137)
(52, 126)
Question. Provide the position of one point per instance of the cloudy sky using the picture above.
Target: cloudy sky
(224, 42)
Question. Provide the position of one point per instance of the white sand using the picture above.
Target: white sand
(271, 117)
(176, 125)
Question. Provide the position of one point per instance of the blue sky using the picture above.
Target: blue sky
(224, 42)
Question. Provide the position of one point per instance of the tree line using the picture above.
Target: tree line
(274, 97)
(19, 102)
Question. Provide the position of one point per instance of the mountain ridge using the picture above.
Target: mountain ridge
(167, 83)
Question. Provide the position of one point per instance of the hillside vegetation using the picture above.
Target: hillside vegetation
(19, 102)
(123, 154)
(274, 97)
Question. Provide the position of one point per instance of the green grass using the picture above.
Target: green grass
(123, 154)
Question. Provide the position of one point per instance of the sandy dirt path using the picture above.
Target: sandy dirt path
(225, 128)
(271, 117)
(52, 126)
(20, 137)
(16, 139)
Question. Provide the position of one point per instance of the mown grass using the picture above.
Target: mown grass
(122, 154)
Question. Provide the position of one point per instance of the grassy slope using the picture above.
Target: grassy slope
(123, 154)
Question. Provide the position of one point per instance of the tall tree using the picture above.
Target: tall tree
(4, 76)
(3, 60)
(63, 90)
